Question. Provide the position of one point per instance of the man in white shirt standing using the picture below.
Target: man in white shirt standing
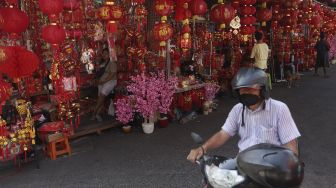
(260, 52)
(256, 119)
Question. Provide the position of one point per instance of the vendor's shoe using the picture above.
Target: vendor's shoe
(326, 76)
(99, 118)
(315, 74)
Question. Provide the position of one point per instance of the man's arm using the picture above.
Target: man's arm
(293, 145)
(218, 139)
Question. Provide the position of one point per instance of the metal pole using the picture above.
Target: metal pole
(168, 60)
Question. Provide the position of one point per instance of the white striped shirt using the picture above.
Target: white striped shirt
(273, 124)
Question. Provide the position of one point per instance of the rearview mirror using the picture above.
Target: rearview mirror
(197, 138)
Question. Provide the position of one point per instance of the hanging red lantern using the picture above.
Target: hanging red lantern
(198, 7)
(249, 20)
(248, 2)
(235, 4)
(163, 7)
(71, 4)
(247, 30)
(248, 10)
(23, 63)
(13, 20)
(104, 13)
(222, 14)
(53, 34)
(264, 15)
(162, 31)
(116, 12)
(50, 7)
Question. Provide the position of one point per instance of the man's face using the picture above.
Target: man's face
(105, 55)
(247, 90)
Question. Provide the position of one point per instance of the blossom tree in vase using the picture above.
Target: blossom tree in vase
(210, 93)
(124, 110)
(152, 93)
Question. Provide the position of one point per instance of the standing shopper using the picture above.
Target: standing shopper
(260, 52)
(322, 48)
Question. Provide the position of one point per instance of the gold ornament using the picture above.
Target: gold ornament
(21, 107)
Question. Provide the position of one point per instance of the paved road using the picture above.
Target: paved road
(114, 159)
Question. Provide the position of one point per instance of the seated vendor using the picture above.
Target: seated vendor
(106, 83)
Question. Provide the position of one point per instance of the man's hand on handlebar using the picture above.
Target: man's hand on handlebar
(195, 154)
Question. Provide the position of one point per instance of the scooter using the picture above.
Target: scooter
(260, 166)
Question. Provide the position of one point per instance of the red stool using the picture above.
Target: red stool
(58, 147)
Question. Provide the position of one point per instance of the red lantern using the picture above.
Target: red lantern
(162, 31)
(264, 15)
(53, 34)
(13, 20)
(71, 4)
(248, 10)
(249, 20)
(248, 2)
(235, 4)
(104, 13)
(198, 7)
(50, 7)
(23, 63)
(222, 14)
(163, 7)
(116, 12)
(247, 30)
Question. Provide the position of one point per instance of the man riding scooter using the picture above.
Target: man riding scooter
(257, 118)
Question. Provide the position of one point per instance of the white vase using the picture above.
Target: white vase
(148, 127)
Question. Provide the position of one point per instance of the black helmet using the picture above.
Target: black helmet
(271, 166)
(251, 77)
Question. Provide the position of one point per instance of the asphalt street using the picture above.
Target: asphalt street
(114, 159)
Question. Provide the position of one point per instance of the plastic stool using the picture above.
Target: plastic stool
(58, 147)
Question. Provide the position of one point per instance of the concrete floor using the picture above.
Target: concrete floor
(114, 159)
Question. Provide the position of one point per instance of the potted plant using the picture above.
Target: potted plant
(124, 113)
(210, 92)
(151, 93)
